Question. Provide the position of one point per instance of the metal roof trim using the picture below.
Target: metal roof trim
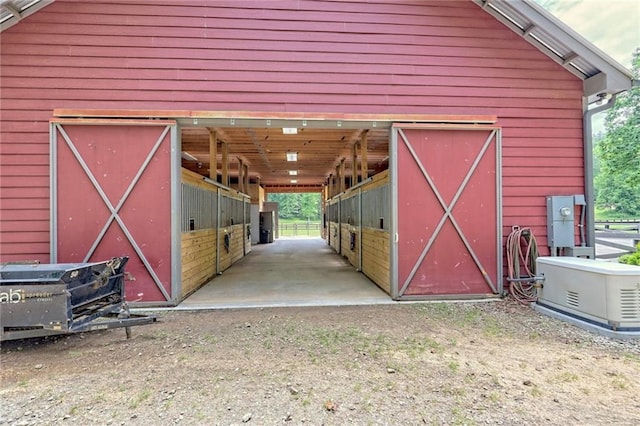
(561, 43)
(13, 11)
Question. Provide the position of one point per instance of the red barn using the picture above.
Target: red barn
(154, 128)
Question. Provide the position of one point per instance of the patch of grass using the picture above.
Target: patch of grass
(495, 380)
(448, 389)
(469, 378)
(73, 410)
(290, 329)
(608, 214)
(567, 377)
(494, 397)
(619, 383)
(436, 311)
(331, 340)
(459, 418)
(141, 397)
(313, 357)
(210, 339)
(453, 366)
(368, 406)
(535, 391)
(23, 383)
(492, 327)
(631, 357)
(156, 335)
(463, 316)
(414, 346)
(534, 336)
(321, 341)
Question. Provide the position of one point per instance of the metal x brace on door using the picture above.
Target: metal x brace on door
(115, 210)
(448, 211)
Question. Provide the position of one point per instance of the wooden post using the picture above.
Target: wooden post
(213, 155)
(225, 163)
(364, 165)
(337, 187)
(246, 179)
(343, 177)
(330, 193)
(354, 165)
(240, 175)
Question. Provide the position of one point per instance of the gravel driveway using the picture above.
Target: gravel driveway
(403, 364)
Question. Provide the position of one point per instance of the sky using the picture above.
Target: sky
(612, 25)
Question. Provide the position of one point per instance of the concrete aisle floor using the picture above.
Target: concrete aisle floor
(288, 272)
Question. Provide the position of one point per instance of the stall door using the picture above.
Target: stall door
(112, 196)
(447, 211)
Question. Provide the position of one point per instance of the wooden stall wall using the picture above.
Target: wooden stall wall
(198, 259)
(371, 224)
(333, 221)
(350, 227)
(231, 234)
(199, 246)
(375, 221)
(231, 249)
(213, 237)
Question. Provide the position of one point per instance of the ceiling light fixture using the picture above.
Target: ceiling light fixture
(292, 156)
(290, 130)
(293, 172)
(294, 181)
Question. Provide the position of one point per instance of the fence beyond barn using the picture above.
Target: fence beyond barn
(616, 237)
(304, 229)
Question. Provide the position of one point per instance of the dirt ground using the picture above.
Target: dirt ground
(404, 364)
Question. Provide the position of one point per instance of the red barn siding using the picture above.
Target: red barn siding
(429, 57)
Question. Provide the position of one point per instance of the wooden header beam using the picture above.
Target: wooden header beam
(382, 120)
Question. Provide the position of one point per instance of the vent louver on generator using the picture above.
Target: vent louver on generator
(630, 303)
(604, 294)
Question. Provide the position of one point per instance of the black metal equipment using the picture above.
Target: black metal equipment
(47, 299)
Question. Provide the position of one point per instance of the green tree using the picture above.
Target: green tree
(618, 153)
(298, 206)
(310, 206)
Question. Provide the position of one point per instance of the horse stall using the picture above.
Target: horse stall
(359, 228)
(215, 230)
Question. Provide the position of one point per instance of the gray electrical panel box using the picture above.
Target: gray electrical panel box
(560, 221)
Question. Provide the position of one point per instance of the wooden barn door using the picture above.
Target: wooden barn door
(447, 218)
(112, 195)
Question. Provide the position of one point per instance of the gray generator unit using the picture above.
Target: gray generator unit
(598, 293)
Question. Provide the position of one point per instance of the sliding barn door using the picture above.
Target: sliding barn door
(113, 193)
(447, 218)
